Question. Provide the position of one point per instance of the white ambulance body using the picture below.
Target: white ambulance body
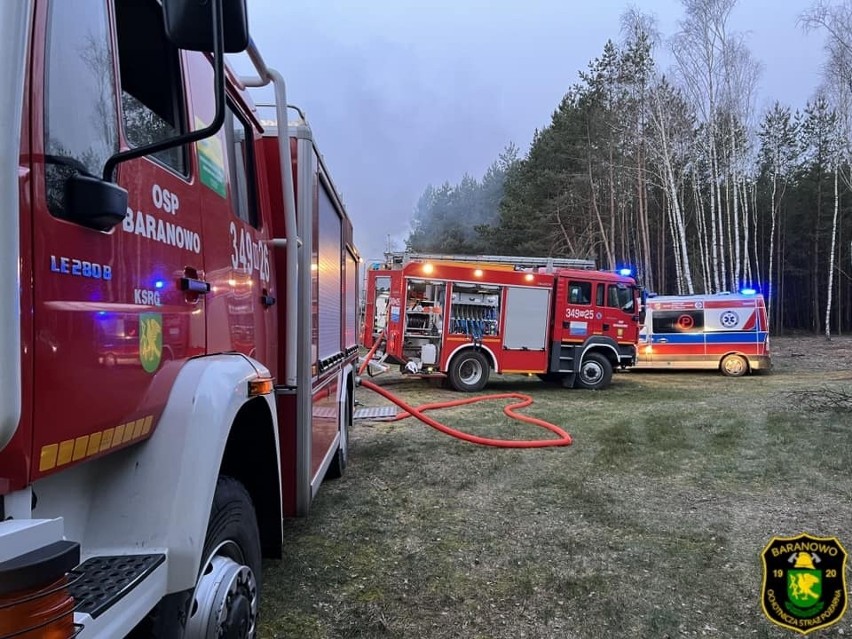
(725, 332)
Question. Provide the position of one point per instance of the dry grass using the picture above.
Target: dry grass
(650, 525)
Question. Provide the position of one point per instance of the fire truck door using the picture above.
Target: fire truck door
(580, 320)
(615, 302)
(240, 308)
(112, 321)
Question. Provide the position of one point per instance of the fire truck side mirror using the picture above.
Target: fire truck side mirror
(189, 24)
(219, 26)
(94, 203)
(643, 305)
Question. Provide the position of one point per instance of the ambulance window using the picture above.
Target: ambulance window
(80, 119)
(240, 166)
(151, 87)
(579, 292)
(678, 321)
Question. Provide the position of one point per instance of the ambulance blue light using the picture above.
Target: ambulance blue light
(748, 291)
(626, 272)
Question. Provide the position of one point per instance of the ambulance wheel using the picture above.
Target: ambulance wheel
(595, 372)
(734, 366)
(469, 371)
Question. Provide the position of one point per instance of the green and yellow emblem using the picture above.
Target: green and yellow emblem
(804, 582)
(150, 340)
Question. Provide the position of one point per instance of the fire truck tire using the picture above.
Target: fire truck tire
(733, 366)
(341, 457)
(595, 372)
(469, 371)
(231, 557)
(227, 594)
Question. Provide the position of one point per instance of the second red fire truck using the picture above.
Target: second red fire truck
(466, 316)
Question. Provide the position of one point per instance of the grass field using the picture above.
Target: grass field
(650, 525)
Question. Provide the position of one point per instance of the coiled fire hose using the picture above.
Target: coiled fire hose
(509, 410)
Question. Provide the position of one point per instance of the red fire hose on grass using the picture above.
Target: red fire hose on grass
(419, 412)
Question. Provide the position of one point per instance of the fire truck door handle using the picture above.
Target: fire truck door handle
(662, 340)
(606, 327)
(193, 285)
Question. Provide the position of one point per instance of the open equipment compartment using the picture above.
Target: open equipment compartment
(475, 310)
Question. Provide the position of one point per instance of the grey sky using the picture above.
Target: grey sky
(402, 93)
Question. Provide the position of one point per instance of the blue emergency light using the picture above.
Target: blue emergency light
(626, 272)
(748, 291)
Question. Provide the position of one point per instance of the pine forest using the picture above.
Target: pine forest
(677, 174)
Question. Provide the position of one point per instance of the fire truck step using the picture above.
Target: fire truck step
(98, 583)
(566, 360)
(375, 412)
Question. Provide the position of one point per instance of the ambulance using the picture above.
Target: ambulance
(724, 331)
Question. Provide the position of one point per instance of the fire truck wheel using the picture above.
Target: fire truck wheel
(595, 372)
(734, 366)
(341, 457)
(469, 371)
(231, 555)
(225, 601)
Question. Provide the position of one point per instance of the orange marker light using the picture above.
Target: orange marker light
(41, 613)
(260, 387)
(428, 268)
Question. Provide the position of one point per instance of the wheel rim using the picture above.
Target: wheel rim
(470, 371)
(225, 599)
(734, 366)
(591, 372)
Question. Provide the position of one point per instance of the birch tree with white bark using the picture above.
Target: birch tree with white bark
(835, 20)
(778, 156)
(718, 75)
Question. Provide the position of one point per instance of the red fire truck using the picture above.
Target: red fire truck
(464, 316)
(178, 327)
